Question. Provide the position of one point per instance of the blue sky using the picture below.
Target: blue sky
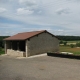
(60, 17)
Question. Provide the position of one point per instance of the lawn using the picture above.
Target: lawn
(74, 50)
(2, 51)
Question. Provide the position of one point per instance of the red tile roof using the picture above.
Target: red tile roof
(25, 35)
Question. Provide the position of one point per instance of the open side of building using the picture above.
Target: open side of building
(31, 43)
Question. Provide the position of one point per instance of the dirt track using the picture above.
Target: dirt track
(39, 68)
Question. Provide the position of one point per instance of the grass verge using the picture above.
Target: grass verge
(74, 50)
(2, 52)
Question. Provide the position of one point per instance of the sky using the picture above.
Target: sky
(60, 17)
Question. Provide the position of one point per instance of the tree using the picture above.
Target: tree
(65, 43)
(72, 45)
(61, 42)
(78, 44)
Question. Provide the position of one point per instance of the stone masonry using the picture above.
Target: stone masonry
(42, 43)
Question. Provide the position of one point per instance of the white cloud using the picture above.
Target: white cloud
(28, 2)
(2, 10)
(32, 5)
(74, 0)
(24, 11)
(39, 12)
(63, 11)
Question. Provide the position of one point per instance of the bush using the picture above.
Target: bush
(1, 43)
(72, 45)
(78, 44)
(65, 43)
(0, 48)
(61, 42)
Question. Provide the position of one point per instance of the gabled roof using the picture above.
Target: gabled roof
(25, 35)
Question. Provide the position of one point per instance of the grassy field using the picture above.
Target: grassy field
(74, 50)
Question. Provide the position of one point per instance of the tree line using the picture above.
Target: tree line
(2, 41)
(69, 38)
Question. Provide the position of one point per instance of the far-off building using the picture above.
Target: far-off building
(31, 43)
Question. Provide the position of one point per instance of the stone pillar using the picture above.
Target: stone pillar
(5, 47)
(26, 48)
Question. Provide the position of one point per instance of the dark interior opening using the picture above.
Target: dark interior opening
(14, 45)
(22, 45)
(9, 44)
(17, 45)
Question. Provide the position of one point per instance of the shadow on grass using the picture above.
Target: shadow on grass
(64, 55)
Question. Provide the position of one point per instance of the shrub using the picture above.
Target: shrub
(72, 45)
(78, 44)
(0, 48)
(61, 42)
(65, 43)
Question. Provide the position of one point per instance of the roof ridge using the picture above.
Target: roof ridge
(32, 31)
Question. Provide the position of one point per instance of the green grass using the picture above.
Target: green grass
(74, 50)
(2, 52)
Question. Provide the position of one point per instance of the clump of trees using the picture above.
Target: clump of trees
(1, 41)
(63, 42)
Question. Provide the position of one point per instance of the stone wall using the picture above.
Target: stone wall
(15, 53)
(42, 43)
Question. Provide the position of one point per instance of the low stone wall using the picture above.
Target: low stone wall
(15, 53)
(71, 56)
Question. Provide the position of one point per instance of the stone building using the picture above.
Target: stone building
(31, 43)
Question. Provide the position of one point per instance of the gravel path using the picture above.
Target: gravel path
(39, 68)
